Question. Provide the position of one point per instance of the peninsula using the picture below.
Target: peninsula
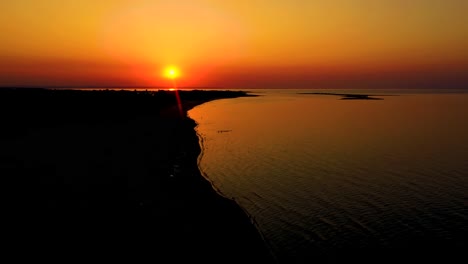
(114, 174)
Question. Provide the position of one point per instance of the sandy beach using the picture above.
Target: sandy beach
(113, 174)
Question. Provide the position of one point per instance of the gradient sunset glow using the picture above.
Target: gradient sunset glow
(235, 43)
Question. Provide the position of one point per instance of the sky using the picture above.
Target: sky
(235, 43)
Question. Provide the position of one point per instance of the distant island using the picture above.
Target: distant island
(351, 96)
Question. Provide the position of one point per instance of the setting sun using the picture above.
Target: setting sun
(171, 72)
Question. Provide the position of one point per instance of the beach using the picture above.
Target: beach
(113, 175)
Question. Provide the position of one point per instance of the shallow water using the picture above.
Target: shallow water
(318, 174)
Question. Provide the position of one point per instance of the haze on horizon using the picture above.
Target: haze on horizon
(235, 43)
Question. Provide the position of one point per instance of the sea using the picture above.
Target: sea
(321, 176)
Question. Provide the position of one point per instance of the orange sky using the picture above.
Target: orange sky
(235, 43)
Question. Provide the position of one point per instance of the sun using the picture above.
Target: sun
(171, 72)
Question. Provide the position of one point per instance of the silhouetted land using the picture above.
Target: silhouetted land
(352, 96)
(113, 175)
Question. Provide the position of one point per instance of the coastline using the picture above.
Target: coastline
(117, 182)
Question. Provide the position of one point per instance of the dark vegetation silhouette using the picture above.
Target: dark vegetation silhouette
(113, 174)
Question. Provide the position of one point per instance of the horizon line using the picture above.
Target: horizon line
(222, 87)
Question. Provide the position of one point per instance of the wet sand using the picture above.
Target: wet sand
(113, 175)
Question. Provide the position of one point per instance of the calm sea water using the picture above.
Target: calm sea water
(318, 174)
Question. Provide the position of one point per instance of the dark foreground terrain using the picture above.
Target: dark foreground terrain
(113, 175)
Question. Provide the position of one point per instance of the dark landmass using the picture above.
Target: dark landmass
(352, 96)
(113, 175)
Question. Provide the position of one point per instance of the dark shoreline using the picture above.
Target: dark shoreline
(115, 173)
